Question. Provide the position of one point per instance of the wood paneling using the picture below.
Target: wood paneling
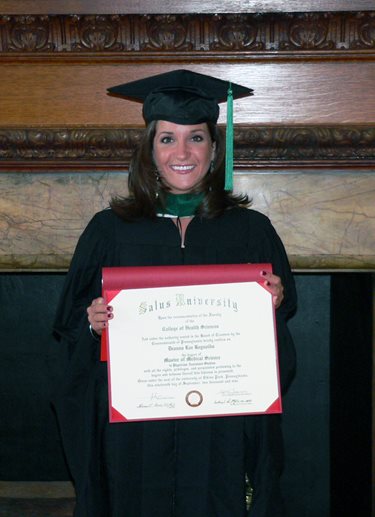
(207, 37)
(177, 6)
(285, 93)
(255, 147)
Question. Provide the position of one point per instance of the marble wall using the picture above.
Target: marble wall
(326, 219)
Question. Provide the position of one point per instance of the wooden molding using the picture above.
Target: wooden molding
(179, 6)
(205, 36)
(103, 148)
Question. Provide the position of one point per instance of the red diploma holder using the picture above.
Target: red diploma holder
(159, 403)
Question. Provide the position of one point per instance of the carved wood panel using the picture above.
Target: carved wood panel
(214, 35)
(257, 147)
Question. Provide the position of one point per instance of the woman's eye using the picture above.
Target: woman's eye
(166, 140)
(197, 138)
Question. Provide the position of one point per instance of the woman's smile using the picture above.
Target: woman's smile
(182, 168)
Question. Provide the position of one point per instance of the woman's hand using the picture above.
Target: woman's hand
(98, 314)
(273, 285)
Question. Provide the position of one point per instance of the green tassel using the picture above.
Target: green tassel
(229, 142)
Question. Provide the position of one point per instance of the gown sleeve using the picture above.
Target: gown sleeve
(288, 307)
(82, 284)
(73, 393)
(264, 443)
(274, 252)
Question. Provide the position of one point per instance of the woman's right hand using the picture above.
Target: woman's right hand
(98, 314)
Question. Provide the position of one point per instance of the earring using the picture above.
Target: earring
(211, 169)
(158, 181)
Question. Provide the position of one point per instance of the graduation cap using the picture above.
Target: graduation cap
(188, 98)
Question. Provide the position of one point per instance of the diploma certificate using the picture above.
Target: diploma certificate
(184, 351)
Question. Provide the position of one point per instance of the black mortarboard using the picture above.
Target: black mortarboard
(186, 97)
(180, 96)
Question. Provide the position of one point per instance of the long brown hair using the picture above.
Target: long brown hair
(146, 189)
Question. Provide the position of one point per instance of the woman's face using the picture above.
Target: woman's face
(182, 154)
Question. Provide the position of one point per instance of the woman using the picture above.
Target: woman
(177, 213)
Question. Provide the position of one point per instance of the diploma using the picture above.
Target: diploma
(190, 341)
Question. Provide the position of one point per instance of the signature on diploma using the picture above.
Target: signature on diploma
(233, 398)
(156, 400)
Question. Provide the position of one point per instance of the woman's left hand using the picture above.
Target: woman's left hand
(273, 285)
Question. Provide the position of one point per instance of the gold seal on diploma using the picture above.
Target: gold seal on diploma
(194, 398)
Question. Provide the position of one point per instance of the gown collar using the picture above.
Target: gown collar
(180, 205)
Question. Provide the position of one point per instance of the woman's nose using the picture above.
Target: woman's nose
(182, 149)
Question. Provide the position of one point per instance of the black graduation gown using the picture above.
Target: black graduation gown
(183, 468)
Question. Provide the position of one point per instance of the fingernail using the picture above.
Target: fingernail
(263, 273)
(109, 308)
(267, 282)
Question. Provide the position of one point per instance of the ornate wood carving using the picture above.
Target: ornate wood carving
(22, 148)
(232, 35)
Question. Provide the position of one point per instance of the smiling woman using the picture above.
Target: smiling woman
(182, 155)
(178, 212)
